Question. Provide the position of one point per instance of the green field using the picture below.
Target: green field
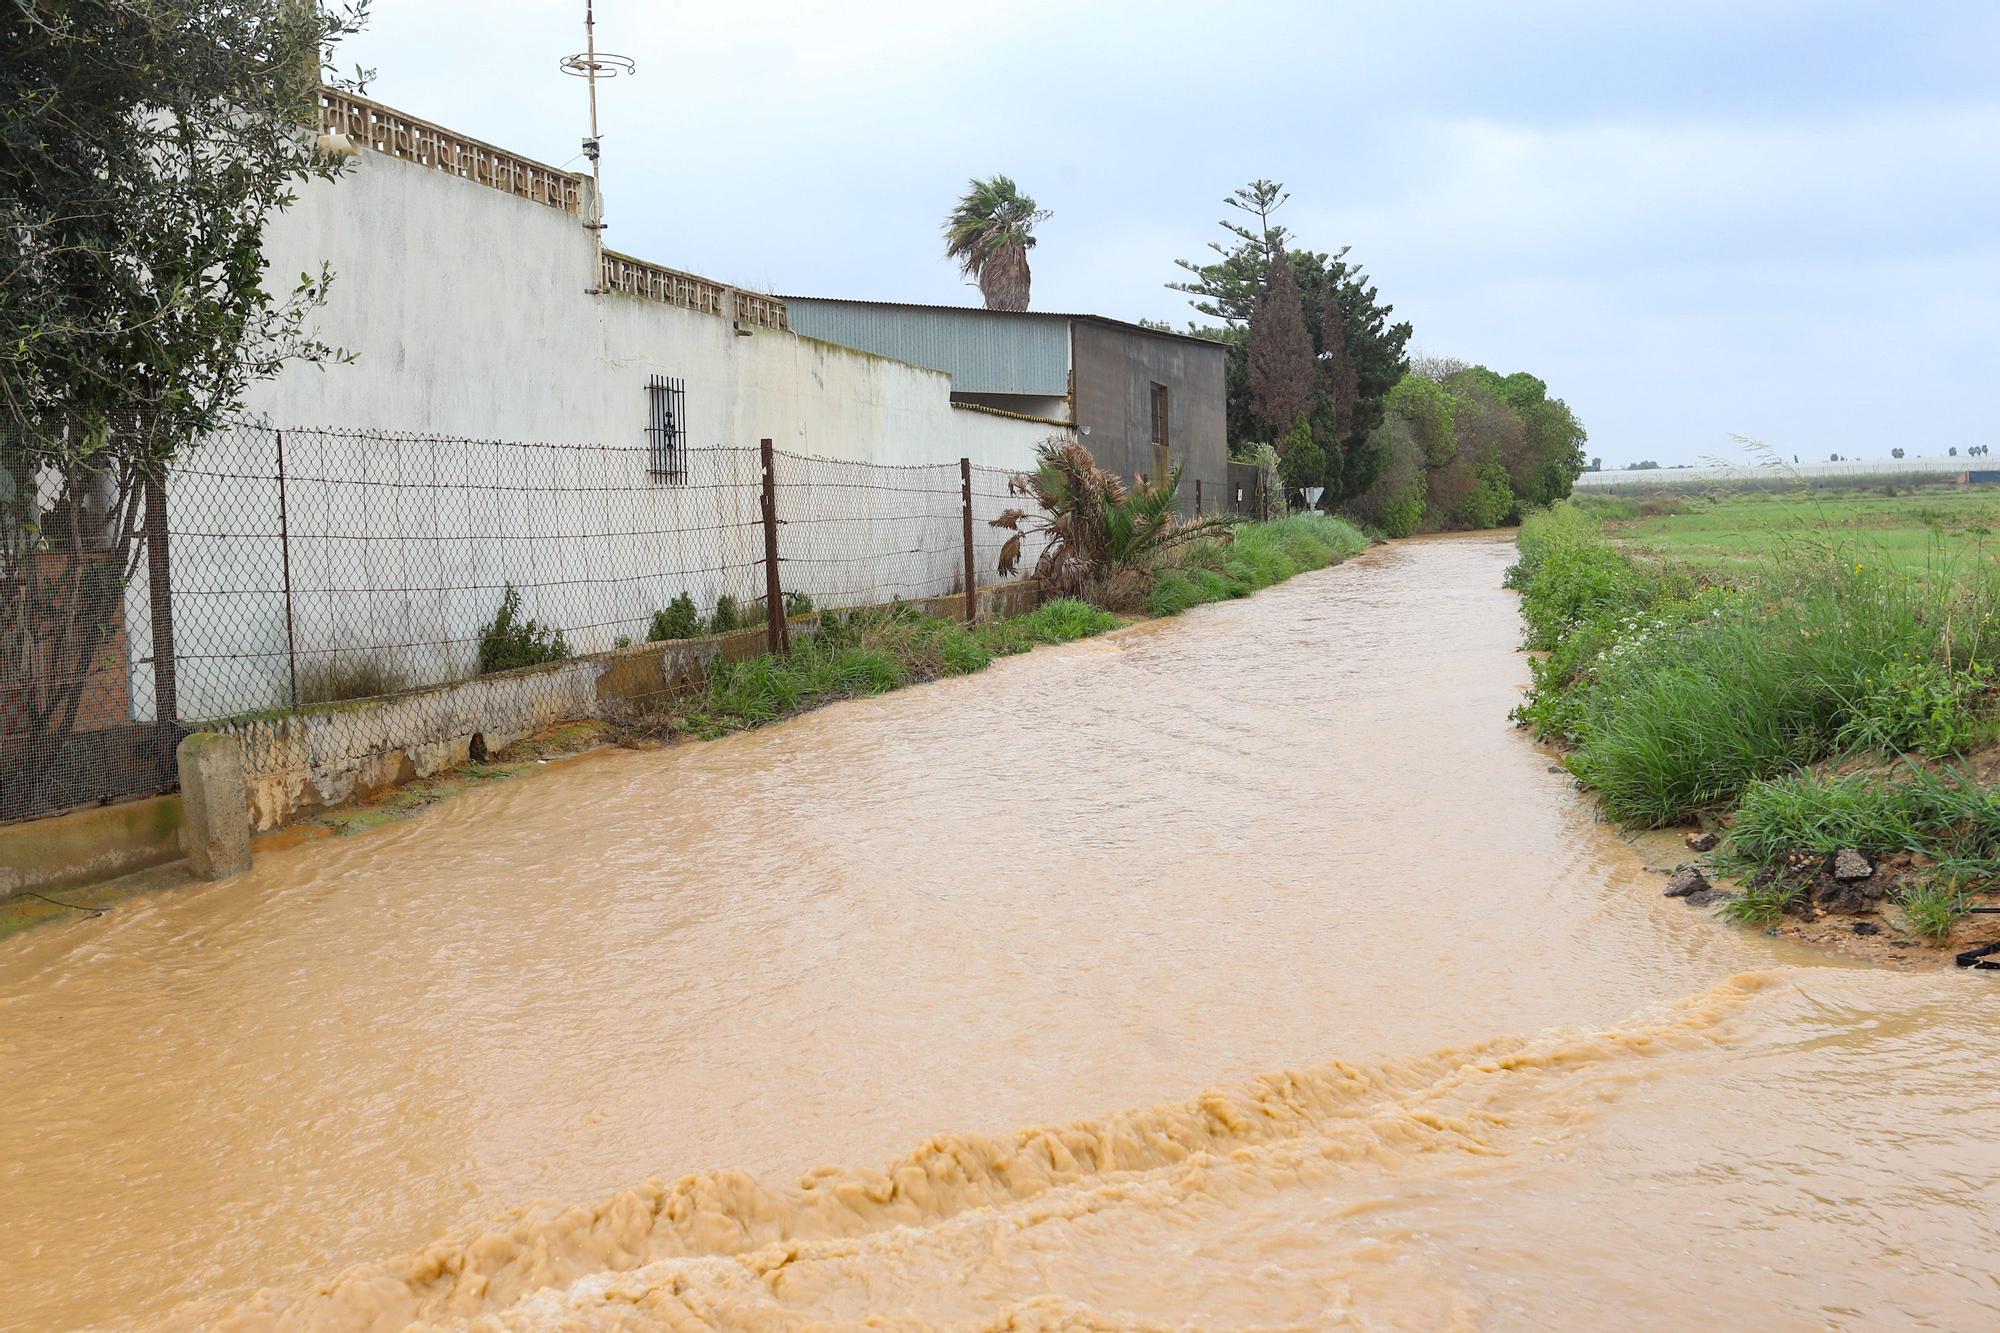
(1954, 526)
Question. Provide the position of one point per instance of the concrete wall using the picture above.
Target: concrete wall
(89, 845)
(467, 312)
(1116, 369)
(300, 763)
(303, 762)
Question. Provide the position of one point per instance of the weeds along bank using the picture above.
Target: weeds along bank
(864, 653)
(871, 652)
(1832, 718)
(1103, 548)
(1253, 556)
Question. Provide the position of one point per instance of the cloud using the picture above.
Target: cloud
(1771, 216)
(1658, 196)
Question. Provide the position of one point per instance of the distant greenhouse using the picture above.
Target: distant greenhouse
(1777, 475)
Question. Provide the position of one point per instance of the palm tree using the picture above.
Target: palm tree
(990, 234)
(1091, 527)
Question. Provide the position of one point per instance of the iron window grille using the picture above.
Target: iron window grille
(666, 430)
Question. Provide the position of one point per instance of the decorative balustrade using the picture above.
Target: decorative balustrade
(766, 312)
(655, 282)
(390, 132)
(372, 125)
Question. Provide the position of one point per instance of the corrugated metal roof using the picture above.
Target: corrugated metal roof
(1012, 314)
(984, 351)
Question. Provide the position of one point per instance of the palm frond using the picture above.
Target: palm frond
(1094, 528)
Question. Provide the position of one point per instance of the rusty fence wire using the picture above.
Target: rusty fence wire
(276, 577)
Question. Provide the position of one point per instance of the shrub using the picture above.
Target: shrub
(1403, 517)
(726, 616)
(679, 621)
(1265, 459)
(1573, 582)
(1394, 500)
(798, 604)
(1095, 526)
(1913, 704)
(508, 641)
(1303, 462)
(1545, 529)
(1490, 502)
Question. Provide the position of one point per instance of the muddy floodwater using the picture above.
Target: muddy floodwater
(1241, 970)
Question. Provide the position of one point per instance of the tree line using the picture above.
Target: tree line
(1320, 372)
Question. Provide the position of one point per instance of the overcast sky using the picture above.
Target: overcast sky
(1770, 218)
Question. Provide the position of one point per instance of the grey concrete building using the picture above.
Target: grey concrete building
(1142, 400)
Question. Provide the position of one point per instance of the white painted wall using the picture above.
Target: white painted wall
(467, 311)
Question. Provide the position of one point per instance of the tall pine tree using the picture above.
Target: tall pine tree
(1230, 288)
(1280, 352)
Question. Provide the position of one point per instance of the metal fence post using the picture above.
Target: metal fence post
(285, 547)
(160, 592)
(971, 575)
(1197, 497)
(777, 632)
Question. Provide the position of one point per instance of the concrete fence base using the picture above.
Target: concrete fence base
(215, 805)
(265, 773)
(299, 763)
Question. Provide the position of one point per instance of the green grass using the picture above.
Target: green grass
(872, 652)
(1762, 904)
(1788, 675)
(1947, 816)
(1933, 908)
(1256, 556)
(1912, 531)
(866, 653)
(1060, 621)
(1675, 690)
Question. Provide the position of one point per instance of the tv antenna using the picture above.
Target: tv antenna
(590, 65)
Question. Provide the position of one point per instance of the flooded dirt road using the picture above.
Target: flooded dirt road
(773, 1022)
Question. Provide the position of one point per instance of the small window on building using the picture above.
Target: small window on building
(1160, 415)
(666, 430)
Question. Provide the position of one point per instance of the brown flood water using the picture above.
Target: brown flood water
(766, 1019)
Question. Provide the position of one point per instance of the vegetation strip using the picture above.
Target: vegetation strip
(1829, 709)
(1734, 529)
(863, 653)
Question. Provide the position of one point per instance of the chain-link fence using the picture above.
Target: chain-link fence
(276, 578)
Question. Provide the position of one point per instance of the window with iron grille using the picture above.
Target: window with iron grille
(1160, 415)
(666, 429)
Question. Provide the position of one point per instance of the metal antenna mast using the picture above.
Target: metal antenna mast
(591, 64)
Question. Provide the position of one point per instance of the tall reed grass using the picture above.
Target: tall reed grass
(1675, 693)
